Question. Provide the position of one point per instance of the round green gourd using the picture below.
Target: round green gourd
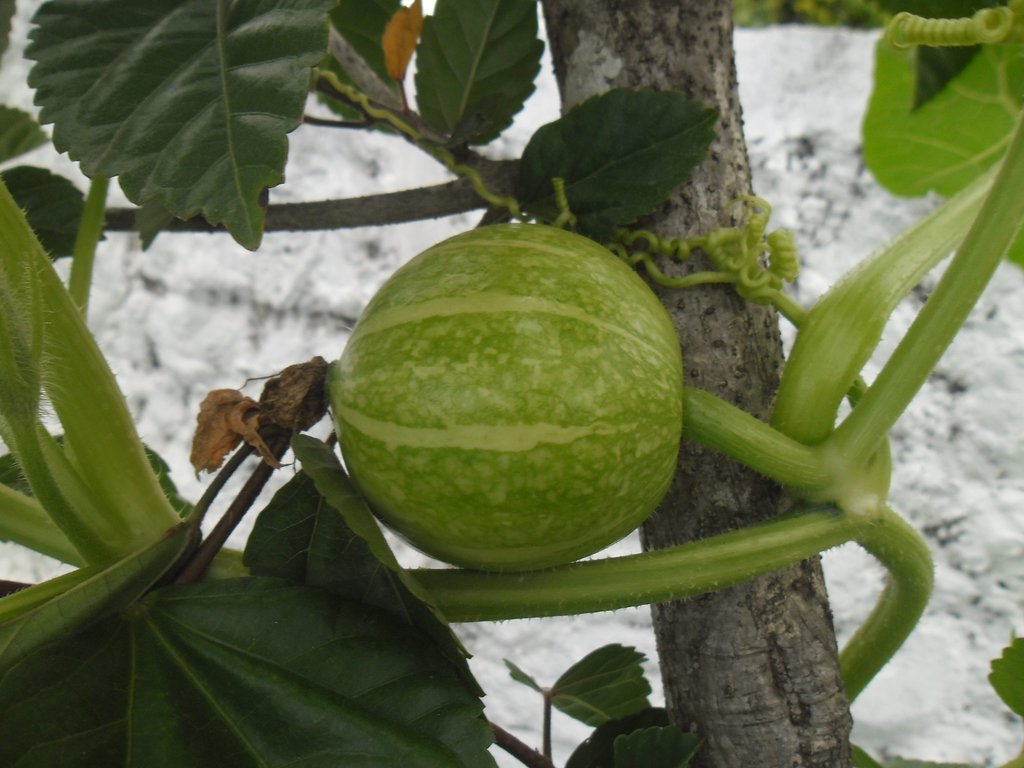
(511, 399)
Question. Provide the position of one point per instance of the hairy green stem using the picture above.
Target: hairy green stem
(84, 254)
(900, 548)
(125, 504)
(670, 574)
(840, 333)
(911, 363)
(719, 425)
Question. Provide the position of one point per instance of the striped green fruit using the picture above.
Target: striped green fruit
(511, 399)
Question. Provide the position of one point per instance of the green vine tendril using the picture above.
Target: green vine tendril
(756, 264)
(360, 100)
(988, 26)
(566, 218)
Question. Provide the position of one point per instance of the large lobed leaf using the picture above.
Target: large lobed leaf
(317, 530)
(188, 102)
(640, 145)
(475, 66)
(954, 137)
(246, 672)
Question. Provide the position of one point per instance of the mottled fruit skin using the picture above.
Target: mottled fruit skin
(511, 399)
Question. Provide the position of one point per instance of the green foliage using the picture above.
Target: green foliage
(240, 672)
(849, 13)
(664, 747)
(19, 133)
(953, 138)
(475, 66)
(303, 536)
(1007, 676)
(605, 684)
(362, 25)
(640, 146)
(7, 8)
(56, 609)
(162, 95)
(52, 205)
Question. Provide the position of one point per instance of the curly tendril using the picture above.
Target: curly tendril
(737, 255)
(988, 26)
(566, 218)
(439, 153)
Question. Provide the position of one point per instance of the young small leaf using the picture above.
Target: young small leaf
(862, 759)
(640, 146)
(1007, 676)
(520, 676)
(189, 103)
(475, 66)
(598, 750)
(666, 747)
(19, 133)
(400, 37)
(52, 205)
(241, 672)
(605, 684)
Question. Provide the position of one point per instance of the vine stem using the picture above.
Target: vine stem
(994, 229)
(669, 574)
(895, 544)
(84, 254)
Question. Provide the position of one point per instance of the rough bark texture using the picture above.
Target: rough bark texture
(753, 669)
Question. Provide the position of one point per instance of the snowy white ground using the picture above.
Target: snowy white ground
(197, 312)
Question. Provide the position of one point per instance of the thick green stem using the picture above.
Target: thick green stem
(840, 333)
(670, 574)
(719, 425)
(911, 576)
(997, 224)
(89, 232)
(100, 441)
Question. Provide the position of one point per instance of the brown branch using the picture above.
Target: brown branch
(525, 754)
(372, 210)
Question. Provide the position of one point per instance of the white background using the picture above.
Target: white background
(197, 312)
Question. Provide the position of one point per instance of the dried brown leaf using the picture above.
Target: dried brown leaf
(400, 38)
(296, 399)
(226, 417)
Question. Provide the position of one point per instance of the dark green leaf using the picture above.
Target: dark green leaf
(188, 102)
(303, 536)
(951, 139)
(7, 8)
(19, 133)
(640, 146)
(1007, 676)
(12, 476)
(150, 219)
(862, 759)
(934, 68)
(52, 205)
(362, 25)
(666, 747)
(163, 475)
(475, 66)
(521, 677)
(935, 9)
(605, 684)
(53, 609)
(241, 673)
(598, 751)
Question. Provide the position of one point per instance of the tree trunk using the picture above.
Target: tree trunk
(752, 669)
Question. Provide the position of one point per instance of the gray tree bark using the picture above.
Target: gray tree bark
(752, 669)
